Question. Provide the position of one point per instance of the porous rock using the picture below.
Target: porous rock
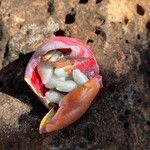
(119, 35)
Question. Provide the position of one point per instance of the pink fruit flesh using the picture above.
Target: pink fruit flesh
(37, 83)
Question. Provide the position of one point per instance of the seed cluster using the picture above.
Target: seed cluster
(59, 79)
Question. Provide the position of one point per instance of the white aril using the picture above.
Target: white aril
(55, 56)
(61, 78)
(64, 86)
(53, 96)
(60, 72)
(45, 72)
(50, 84)
(79, 77)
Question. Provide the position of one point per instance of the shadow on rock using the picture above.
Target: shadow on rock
(12, 83)
(102, 116)
(145, 62)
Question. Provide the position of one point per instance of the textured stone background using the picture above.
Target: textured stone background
(118, 32)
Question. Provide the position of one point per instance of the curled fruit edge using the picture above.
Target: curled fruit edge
(74, 104)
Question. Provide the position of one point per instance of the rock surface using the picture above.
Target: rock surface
(119, 35)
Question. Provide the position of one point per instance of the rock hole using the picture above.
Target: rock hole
(148, 25)
(28, 32)
(126, 20)
(111, 88)
(125, 97)
(1, 84)
(51, 8)
(126, 125)
(9, 15)
(83, 1)
(89, 133)
(127, 112)
(127, 41)
(139, 112)
(101, 19)
(98, 1)
(6, 50)
(20, 26)
(67, 133)
(97, 31)
(138, 37)
(105, 119)
(82, 145)
(121, 118)
(148, 123)
(140, 10)
(100, 32)
(139, 100)
(70, 18)
(90, 41)
(60, 32)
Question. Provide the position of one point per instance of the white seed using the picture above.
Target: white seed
(61, 78)
(79, 77)
(45, 71)
(64, 86)
(55, 56)
(60, 72)
(54, 96)
(50, 84)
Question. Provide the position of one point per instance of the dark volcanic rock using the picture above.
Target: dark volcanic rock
(119, 35)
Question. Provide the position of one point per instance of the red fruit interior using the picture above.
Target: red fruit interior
(36, 80)
(37, 83)
(81, 64)
(65, 50)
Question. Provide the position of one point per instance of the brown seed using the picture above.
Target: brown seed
(62, 62)
(47, 56)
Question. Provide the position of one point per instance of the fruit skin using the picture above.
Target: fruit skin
(71, 107)
(82, 58)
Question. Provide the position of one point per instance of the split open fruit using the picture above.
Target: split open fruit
(64, 75)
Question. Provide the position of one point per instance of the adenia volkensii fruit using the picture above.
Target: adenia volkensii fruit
(64, 75)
